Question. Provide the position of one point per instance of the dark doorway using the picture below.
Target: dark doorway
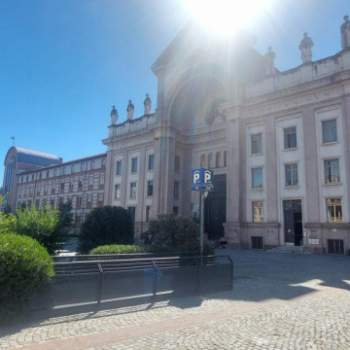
(132, 212)
(215, 208)
(293, 221)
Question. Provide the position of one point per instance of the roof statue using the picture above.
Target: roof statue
(148, 105)
(345, 33)
(270, 62)
(114, 116)
(130, 109)
(305, 48)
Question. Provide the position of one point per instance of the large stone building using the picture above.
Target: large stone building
(80, 182)
(278, 143)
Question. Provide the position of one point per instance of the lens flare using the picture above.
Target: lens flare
(226, 17)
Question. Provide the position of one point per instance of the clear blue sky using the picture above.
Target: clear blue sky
(63, 63)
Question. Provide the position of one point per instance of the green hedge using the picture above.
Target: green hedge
(25, 266)
(116, 249)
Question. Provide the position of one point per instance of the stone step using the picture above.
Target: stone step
(288, 249)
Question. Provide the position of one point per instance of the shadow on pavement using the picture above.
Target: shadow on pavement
(258, 276)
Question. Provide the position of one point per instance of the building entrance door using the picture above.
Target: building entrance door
(293, 221)
(215, 208)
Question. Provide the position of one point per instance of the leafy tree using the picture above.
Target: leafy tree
(65, 218)
(7, 222)
(40, 224)
(171, 233)
(106, 225)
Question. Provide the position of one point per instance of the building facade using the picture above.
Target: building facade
(80, 182)
(18, 160)
(278, 143)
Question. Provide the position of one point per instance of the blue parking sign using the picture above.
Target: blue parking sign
(201, 179)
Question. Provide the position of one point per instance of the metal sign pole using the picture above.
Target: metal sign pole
(201, 228)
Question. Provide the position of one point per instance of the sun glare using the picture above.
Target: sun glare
(226, 17)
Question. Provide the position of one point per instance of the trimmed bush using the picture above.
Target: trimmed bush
(170, 233)
(116, 249)
(25, 266)
(106, 225)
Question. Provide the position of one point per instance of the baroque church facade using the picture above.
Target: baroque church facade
(278, 144)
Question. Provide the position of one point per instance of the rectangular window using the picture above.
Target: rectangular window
(118, 167)
(177, 164)
(257, 177)
(225, 159)
(256, 143)
(202, 161)
(101, 181)
(218, 160)
(91, 182)
(331, 171)
(89, 201)
(291, 172)
(134, 165)
(329, 131)
(150, 162)
(117, 192)
(78, 202)
(334, 210)
(149, 188)
(176, 190)
(176, 211)
(148, 210)
(290, 137)
(210, 160)
(132, 193)
(100, 198)
(257, 211)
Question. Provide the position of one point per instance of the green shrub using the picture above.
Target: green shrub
(7, 223)
(117, 249)
(106, 225)
(40, 224)
(25, 266)
(174, 234)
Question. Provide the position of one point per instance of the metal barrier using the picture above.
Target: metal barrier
(140, 280)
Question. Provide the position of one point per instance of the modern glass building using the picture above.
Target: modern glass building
(18, 160)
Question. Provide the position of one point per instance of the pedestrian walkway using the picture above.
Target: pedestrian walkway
(279, 301)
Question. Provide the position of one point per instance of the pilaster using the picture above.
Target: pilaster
(232, 229)
(271, 171)
(312, 199)
(109, 179)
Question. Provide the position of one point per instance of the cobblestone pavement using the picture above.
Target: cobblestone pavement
(278, 302)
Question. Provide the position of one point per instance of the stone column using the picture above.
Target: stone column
(186, 181)
(271, 171)
(164, 172)
(232, 226)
